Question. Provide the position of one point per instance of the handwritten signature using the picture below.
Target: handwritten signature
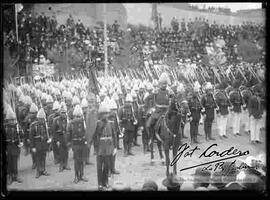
(185, 151)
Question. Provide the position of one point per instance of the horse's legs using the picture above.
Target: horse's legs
(175, 148)
(167, 157)
(159, 144)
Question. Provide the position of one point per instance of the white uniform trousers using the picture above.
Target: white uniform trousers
(223, 119)
(254, 129)
(236, 118)
(245, 120)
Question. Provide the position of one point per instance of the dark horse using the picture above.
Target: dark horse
(168, 130)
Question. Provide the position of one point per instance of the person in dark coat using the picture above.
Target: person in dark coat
(106, 146)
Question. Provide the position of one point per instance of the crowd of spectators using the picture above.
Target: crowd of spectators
(188, 39)
(211, 9)
(38, 34)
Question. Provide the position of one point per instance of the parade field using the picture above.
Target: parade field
(134, 169)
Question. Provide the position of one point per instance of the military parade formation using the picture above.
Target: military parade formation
(60, 116)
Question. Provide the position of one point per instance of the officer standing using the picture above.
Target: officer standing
(209, 106)
(255, 112)
(195, 109)
(76, 135)
(59, 132)
(13, 143)
(106, 140)
(29, 119)
(39, 142)
(135, 106)
(223, 105)
(237, 102)
(114, 123)
(127, 121)
(55, 113)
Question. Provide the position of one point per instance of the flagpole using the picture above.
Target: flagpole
(16, 23)
(105, 40)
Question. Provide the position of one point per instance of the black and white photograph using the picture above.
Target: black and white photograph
(134, 96)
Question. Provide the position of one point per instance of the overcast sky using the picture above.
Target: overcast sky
(233, 6)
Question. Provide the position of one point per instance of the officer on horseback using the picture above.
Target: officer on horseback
(161, 103)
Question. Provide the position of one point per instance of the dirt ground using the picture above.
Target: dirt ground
(134, 170)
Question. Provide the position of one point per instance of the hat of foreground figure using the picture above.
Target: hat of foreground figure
(10, 114)
(56, 105)
(129, 98)
(164, 78)
(77, 110)
(149, 185)
(33, 108)
(172, 182)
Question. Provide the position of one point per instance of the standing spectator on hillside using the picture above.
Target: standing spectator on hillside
(183, 25)
(175, 24)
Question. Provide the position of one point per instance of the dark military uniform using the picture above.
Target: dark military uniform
(22, 113)
(136, 113)
(126, 121)
(184, 110)
(38, 138)
(76, 132)
(209, 105)
(141, 123)
(161, 102)
(195, 109)
(29, 119)
(59, 133)
(54, 146)
(106, 140)
(12, 150)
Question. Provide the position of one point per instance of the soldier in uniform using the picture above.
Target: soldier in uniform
(223, 104)
(106, 140)
(127, 121)
(59, 132)
(29, 119)
(76, 135)
(237, 102)
(39, 142)
(135, 109)
(55, 113)
(209, 105)
(49, 105)
(141, 124)
(13, 146)
(23, 110)
(114, 123)
(84, 106)
(195, 109)
(255, 112)
(161, 102)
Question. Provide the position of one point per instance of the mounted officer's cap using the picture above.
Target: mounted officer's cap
(41, 114)
(164, 78)
(33, 108)
(49, 99)
(84, 103)
(77, 111)
(75, 100)
(104, 108)
(56, 105)
(180, 88)
(10, 114)
(129, 98)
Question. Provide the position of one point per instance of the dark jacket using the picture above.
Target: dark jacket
(195, 108)
(255, 107)
(105, 137)
(126, 118)
(208, 103)
(38, 136)
(236, 100)
(12, 139)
